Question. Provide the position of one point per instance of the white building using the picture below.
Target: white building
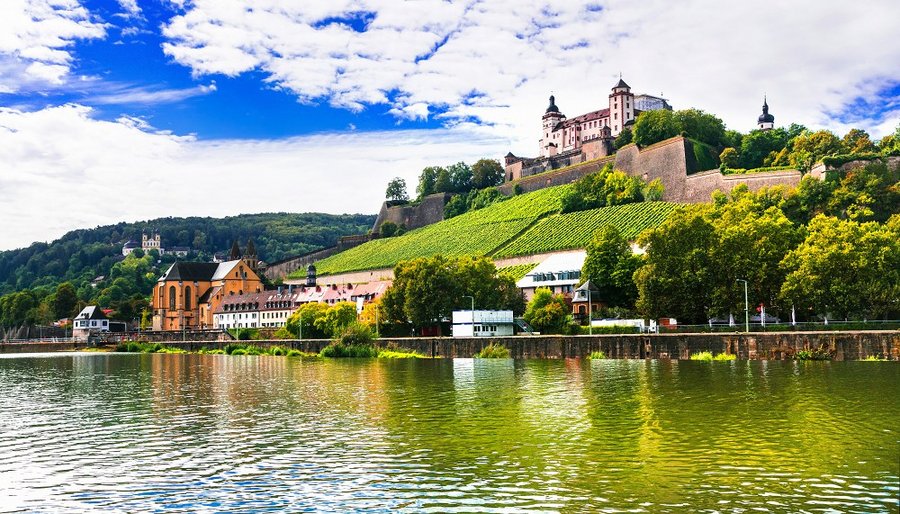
(482, 323)
(90, 319)
(560, 272)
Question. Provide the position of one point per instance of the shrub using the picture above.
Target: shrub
(725, 357)
(400, 353)
(238, 351)
(702, 356)
(493, 351)
(278, 350)
(597, 355)
(875, 358)
(338, 350)
(816, 354)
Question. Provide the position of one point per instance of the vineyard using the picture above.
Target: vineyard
(478, 232)
(517, 271)
(574, 230)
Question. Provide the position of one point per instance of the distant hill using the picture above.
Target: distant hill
(81, 255)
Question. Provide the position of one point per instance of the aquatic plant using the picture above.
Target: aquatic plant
(815, 354)
(702, 356)
(400, 353)
(338, 349)
(725, 357)
(875, 358)
(493, 351)
(597, 355)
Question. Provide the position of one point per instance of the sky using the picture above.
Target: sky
(126, 110)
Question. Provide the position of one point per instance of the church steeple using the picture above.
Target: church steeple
(765, 121)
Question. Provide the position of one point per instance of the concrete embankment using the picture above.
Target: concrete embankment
(847, 345)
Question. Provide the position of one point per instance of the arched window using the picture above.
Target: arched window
(172, 297)
(187, 298)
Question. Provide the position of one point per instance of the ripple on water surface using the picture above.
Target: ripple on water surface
(187, 433)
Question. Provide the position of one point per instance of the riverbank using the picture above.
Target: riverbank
(849, 345)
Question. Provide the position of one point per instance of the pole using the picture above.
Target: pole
(377, 335)
(746, 306)
(473, 312)
(590, 313)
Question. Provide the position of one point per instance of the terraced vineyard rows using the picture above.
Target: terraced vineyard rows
(517, 271)
(575, 230)
(473, 233)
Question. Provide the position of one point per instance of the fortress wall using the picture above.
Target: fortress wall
(700, 186)
(666, 160)
(554, 178)
(429, 210)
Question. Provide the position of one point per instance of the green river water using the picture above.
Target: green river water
(214, 433)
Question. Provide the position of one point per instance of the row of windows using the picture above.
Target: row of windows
(485, 328)
(93, 323)
(562, 275)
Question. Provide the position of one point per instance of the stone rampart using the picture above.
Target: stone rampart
(285, 267)
(700, 186)
(429, 210)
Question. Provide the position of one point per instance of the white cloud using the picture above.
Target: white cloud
(34, 40)
(102, 172)
(130, 7)
(498, 61)
(129, 94)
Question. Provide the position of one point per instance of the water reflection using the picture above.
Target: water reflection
(190, 432)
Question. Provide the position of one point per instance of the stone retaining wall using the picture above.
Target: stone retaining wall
(847, 345)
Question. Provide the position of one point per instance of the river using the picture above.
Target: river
(215, 433)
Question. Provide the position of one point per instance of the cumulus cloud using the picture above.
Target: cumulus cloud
(106, 171)
(35, 36)
(496, 62)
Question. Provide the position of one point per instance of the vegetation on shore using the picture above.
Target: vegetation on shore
(493, 351)
(598, 355)
(708, 356)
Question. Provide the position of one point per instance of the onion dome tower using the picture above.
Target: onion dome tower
(765, 121)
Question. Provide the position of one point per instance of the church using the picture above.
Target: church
(188, 293)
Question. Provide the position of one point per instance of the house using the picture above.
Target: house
(90, 320)
(129, 247)
(560, 273)
(482, 323)
(180, 251)
(586, 300)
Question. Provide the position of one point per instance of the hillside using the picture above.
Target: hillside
(522, 225)
(81, 255)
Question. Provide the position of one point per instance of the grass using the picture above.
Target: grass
(706, 156)
(230, 349)
(338, 350)
(493, 351)
(876, 358)
(709, 357)
(598, 355)
(401, 353)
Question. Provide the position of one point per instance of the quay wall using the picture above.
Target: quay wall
(841, 345)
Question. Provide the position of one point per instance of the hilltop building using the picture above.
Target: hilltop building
(151, 242)
(566, 141)
(765, 121)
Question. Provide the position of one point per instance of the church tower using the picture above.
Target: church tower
(765, 121)
(551, 118)
(621, 107)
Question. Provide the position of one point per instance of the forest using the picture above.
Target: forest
(45, 282)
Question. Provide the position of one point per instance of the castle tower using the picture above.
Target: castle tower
(551, 118)
(311, 275)
(621, 107)
(765, 121)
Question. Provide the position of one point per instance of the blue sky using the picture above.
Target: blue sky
(124, 110)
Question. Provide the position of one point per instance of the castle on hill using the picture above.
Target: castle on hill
(566, 141)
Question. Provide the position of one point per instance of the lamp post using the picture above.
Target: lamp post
(473, 311)
(746, 306)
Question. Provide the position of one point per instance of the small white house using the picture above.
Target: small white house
(90, 319)
(482, 323)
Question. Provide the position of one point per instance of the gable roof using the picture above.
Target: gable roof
(190, 271)
(91, 312)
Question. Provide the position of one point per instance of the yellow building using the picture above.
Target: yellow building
(188, 293)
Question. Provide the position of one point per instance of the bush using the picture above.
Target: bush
(400, 353)
(708, 356)
(597, 355)
(238, 351)
(834, 161)
(339, 350)
(877, 358)
(816, 354)
(493, 351)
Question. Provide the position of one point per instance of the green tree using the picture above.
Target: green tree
(857, 141)
(486, 173)
(702, 126)
(758, 144)
(336, 318)
(610, 265)
(730, 158)
(460, 177)
(64, 301)
(845, 268)
(809, 148)
(443, 182)
(625, 137)
(388, 229)
(428, 181)
(427, 290)
(548, 312)
(870, 192)
(396, 190)
(303, 321)
(654, 126)
(603, 188)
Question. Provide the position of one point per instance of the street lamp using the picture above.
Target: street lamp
(473, 312)
(746, 306)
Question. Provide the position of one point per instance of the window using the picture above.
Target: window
(187, 298)
(172, 297)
